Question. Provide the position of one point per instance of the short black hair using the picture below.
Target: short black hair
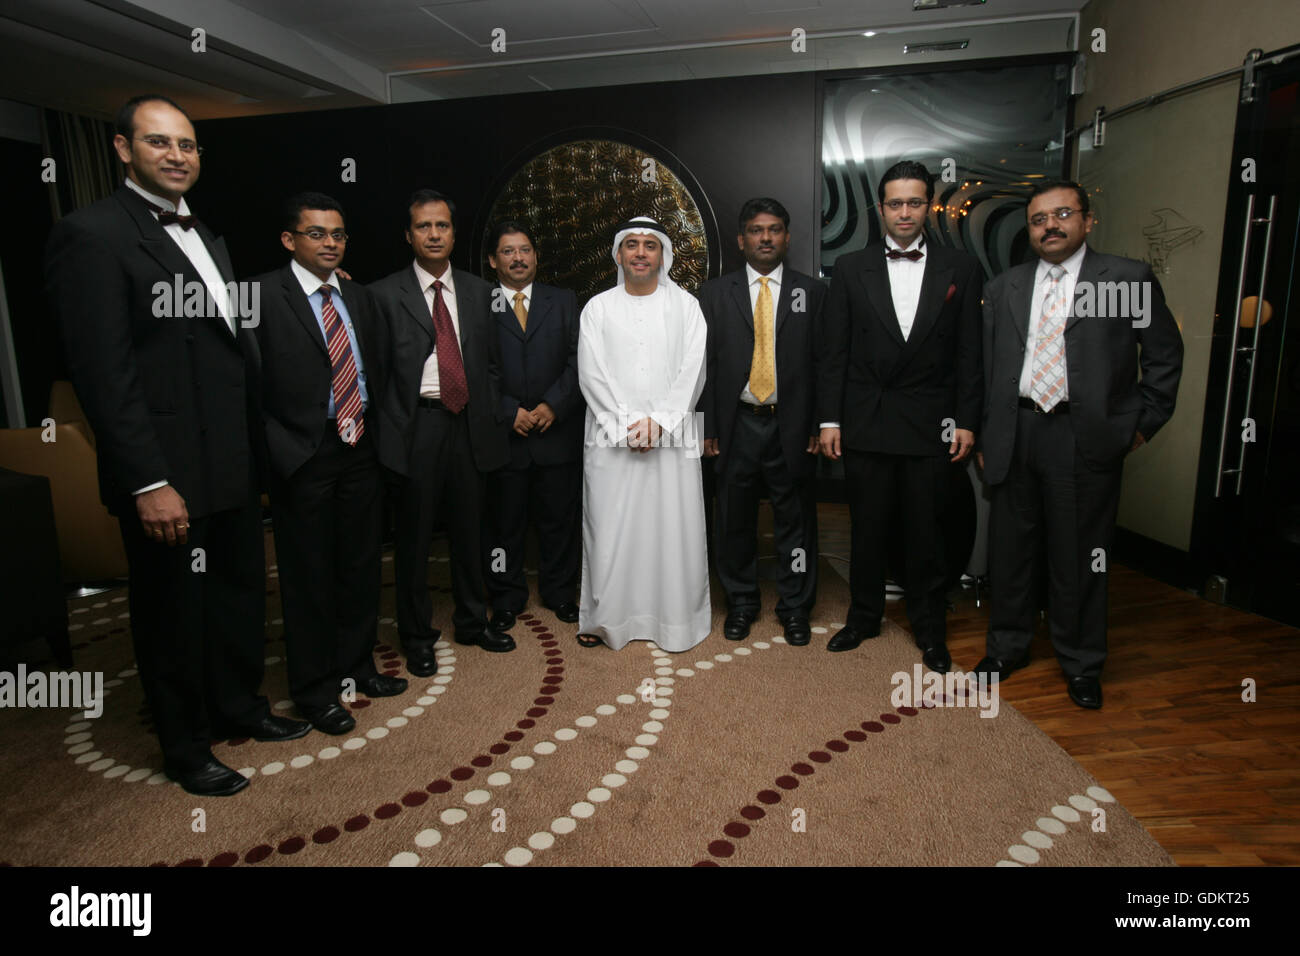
(124, 123)
(422, 196)
(906, 169)
(294, 205)
(759, 205)
(1060, 184)
(504, 227)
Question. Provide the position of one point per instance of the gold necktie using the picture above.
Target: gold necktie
(762, 371)
(520, 312)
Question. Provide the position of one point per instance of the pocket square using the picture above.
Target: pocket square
(952, 291)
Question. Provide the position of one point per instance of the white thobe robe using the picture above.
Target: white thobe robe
(644, 565)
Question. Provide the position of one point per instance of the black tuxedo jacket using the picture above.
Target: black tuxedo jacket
(410, 331)
(541, 365)
(725, 304)
(1108, 403)
(297, 378)
(170, 397)
(890, 394)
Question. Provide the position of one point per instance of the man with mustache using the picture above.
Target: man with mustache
(759, 418)
(1063, 406)
(899, 397)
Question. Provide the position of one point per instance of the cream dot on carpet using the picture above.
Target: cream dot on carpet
(704, 665)
(1050, 825)
(271, 660)
(476, 797)
(329, 753)
(1008, 863)
(685, 672)
(626, 766)
(405, 858)
(652, 726)
(1023, 854)
(625, 699)
(453, 815)
(819, 630)
(104, 764)
(88, 757)
(354, 743)
(129, 672)
(1097, 793)
(743, 651)
(115, 682)
(282, 705)
(1068, 814)
(665, 691)
(428, 838)
(647, 740)
(437, 689)
(138, 774)
(442, 679)
(541, 841)
(80, 748)
(441, 645)
(663, 671)
(613, 780)
(779, 639)
(498, 779)
(598, 794)
(1040, 841)
(274, 767)
(659, 713)
(395, 722)
(544, 748)
(637, 753)
(77, 727)
(413, 711)
(582, 809)
(1080, 802)
(586, 720)
(762, 645)
(518, 856)
(161, 777)
(722, 658)
(606, 709)
(426, 701)
(247, 772)
(565, 733)
(445, 669)
(117, 771)
(377, 733)
(301, 761)
(564, 825)
(665, 681)
(522, 763)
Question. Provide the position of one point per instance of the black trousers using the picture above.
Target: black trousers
(552, 496)
(914, 487)
(754, 459)
(197, 616)
(1053, 501)
(443, 483)
(327, 522)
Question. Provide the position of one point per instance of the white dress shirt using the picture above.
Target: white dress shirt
(905, 277)
(429, 379)
(316, 302)
(509, 293)
(1072, 266)
(755, 287)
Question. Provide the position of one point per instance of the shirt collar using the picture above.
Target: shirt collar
(427, 279)
(310, 283)
(510, 293)
(1071, 265)
(918, 244)
(753, 275)
(165, 204)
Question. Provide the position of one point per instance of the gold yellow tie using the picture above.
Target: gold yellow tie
(762, 371)
(520, 312)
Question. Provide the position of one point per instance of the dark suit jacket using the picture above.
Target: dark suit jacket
(730, 317)
(169, 398)
(541, 365)
(1108, 403)
(891, 394)
(297, 378)
(410, 331)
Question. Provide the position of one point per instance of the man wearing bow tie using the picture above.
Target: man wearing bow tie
(899, 397)
(172, 399)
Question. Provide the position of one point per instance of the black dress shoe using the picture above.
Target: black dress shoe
(1085, 691)
(797, 631)
(998, 669)
(380, 685)
(503, 620)
(937, 658)
(268, 728)
(421, 661)
(848, 637)
(739, 620)
(213, 779)
(567, 612)
(488, 639)
(330, 719)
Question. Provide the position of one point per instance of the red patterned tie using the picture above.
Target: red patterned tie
(347, 391)
(451, 369)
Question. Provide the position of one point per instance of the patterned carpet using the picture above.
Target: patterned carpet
(754, 753)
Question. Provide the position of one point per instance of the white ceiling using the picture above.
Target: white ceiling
(271, 56)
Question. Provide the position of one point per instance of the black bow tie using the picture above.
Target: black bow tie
(913, 254)
(166, 217)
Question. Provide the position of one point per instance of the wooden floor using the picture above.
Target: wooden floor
(1214, 779)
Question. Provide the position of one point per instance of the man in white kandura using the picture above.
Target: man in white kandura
(641, 368)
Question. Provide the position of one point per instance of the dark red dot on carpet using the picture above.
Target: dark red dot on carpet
(552, 654)
(258, 853)
(555, 670)
(891, 718)
(525, 724)
(555, 660)
(439, 786)
(359, 822)
(359, 704)
(498, 748)
(838, 746)
(544, 700)
(190, 862)
(514, 735)
(224, 859)
(786, 782)
(550, 643)
(537, 627)
(536, 712)
(721, 848)
(769, 796)
(236, 741)
(802, 769)
(158, 864)
(482, 760)
(820, 756)
(461, 773)
(415, 798)
(704, 863)
(390, 656)
(856, 736)
(325, 835)
(736, 830)
(387, 810)
(907, 711)
(292, 845)
(382, 648)
(873, 726)
(752, 812)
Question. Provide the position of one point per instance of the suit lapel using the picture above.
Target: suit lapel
(301, 308)
(783, 303)
(537, 312)
(1020, 293)
(413, 304)
(466, 311)
(1090, 272)
(934, 290)
(875, 276)
(740, 296)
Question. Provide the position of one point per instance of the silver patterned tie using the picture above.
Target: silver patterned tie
(1047, 377)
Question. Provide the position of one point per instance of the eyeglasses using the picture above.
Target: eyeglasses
(893, 205)
(165, 143)
(1060, 215)
(317, 235)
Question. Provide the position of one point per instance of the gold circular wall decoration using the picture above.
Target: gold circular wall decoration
(573, 195)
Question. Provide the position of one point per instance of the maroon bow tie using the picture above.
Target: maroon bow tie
(166, 217)
(912, 254)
